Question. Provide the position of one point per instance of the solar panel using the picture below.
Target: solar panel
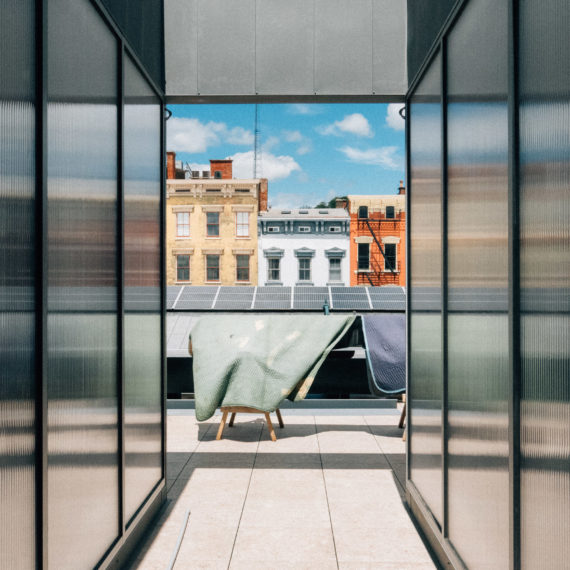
(196, 298)
(234, 298)
(349, 298)
(388, 298)
(273, 298)
(171, 294)
(310, 298)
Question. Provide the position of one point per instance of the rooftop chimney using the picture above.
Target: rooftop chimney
(221, 169)
(341, 203)
(170, 165)
(401, 189)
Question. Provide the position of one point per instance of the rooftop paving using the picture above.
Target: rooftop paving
(327, 494)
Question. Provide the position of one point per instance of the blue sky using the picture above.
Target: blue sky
(309, 152)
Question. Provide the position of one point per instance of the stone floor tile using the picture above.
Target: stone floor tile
(272, 564)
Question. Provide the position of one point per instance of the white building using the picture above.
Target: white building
(304, 247)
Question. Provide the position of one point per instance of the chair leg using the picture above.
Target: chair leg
(270, 427)
(279, 418)
(222, 424)
(403, 416)
(232, 418)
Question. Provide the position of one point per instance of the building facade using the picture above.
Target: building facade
(211, 226)
(378, 239)
(304, 247)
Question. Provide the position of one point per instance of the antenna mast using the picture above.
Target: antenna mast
(256, 147)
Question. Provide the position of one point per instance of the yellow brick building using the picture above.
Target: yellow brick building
(211, 230)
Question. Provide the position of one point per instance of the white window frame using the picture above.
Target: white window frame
(242, 228)
(339, 260)
(304, 229)
(273, 229)
(302, 269)
(335, 229)
(270, 269)
(180, 225)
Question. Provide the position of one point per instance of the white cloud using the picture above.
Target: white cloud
(355, 124)
(191, 135)
(271, 143)
(272, 167)
(200, 167)
(385, 156)
(393, 118)
(305, 144)
(304, 109)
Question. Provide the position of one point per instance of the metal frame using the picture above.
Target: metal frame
(41, 274)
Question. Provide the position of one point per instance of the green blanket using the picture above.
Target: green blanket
(259, 360)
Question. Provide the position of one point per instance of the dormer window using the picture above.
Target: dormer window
(303, 211)
(363, 212)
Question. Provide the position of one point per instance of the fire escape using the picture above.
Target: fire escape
(368, 268)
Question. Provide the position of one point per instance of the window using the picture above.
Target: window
(390, 253)
(273, 229)
(363, 212)
(304, 229)
(212, 224)
(334, 229)
(217, 173)
(242, 267)
(334, 269)
(273, 269)
(213, 190)
(304, 269)
(242, 190)
(390, 213)
(212, 268)
(183, 224)
(242, 224)
(182, 268)
(363, 256)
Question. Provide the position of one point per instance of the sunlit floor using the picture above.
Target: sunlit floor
(327, 494)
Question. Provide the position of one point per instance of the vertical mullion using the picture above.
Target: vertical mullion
(409, 340)
(444, 290)
(121, 280)
(514, 293)
(41, 263)
(163, 280)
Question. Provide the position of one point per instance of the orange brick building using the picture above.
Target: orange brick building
(378, 239)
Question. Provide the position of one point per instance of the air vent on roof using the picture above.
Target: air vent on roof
(323, 211)
(205, 174)
(195, 174)
(303, 211)
(285, 211)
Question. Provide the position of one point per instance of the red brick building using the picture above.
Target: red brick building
(378, 239)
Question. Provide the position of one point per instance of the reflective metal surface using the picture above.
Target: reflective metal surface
(426, 370)
(545, 283)
(17, 314)
(478, 383)
(82, 243)
(143, 435)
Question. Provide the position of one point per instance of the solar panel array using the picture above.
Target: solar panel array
(234, 298)
(387, 297)
(349, 298)
(196, 298)
(272, 298)
(310, 298)
(193, 298)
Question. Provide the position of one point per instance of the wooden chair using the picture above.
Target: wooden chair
(233, 410)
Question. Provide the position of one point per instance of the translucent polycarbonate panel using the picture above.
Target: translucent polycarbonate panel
(478, 381)
(545, 283)
(17, 268)
(83, 506)
(142, 168)
(426, 371)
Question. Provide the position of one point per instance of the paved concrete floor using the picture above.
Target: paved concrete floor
(327, 494)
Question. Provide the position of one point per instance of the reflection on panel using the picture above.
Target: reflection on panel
(142, 167)
(17, 319)
(82, 344)
(477, 256)
(426, 250)
(545, 269)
